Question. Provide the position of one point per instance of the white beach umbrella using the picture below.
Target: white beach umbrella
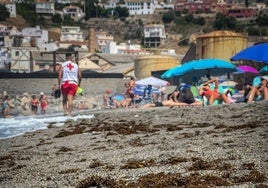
(152, 81)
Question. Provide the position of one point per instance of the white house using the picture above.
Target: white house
(36, 34)
(74, 12)
(71, 33)
(63, 1)
(154, 35)
(11, 7)
(124, 48)
(44, 7)
(101, 39)
(135, 7)
(67, 1)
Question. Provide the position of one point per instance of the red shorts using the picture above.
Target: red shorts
(43, 105)
(68, 88)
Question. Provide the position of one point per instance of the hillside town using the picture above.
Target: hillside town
(32, 49)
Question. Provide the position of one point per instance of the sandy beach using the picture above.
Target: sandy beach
(216, 146)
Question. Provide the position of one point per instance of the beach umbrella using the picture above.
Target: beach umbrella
(258, 53)
(202, 67)
(264, 69)
(228, 83)
(170, 73)
(246, 68)
(152, 81)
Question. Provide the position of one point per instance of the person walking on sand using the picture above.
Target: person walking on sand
(69, 77)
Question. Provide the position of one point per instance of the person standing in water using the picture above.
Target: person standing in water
(5, 106)
(34, 104)
(43, 103)
(69, 77)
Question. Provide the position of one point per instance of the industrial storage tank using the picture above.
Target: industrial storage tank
(146, 64)
(220, 44)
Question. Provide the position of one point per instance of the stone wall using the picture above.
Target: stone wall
(91, 86)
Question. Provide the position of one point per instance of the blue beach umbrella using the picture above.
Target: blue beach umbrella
(257, 53)
(202, 67)
(169, 73)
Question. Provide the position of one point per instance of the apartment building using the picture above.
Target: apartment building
(101, 39)
(36, 33)
(71, 33)
(44, 7)
(74, 12)
(154, 35)
(11, 7)
(124, 48)
(135, 7)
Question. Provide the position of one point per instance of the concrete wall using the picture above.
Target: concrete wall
(91, 86)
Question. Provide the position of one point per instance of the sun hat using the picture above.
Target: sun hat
(108, 91)
(264, 78)
(41, 93)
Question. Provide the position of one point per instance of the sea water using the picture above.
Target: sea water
(15, 126)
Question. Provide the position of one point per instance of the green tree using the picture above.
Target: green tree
(199, 21)
(91, 8)
(4, 13)
(27, 10)
(168, 17)
(262, 20)
(94, 10)
(67, 20)
(121, 12)
(41, 20)
(224, 22)
(56, 18)
(189, 18)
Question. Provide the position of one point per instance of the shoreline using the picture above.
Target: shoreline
(224, 145)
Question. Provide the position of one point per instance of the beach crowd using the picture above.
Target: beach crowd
(68, 88)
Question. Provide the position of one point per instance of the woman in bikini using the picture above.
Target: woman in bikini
(43, 104)
(214, 94)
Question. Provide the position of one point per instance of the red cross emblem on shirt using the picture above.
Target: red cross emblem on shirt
(70, 66)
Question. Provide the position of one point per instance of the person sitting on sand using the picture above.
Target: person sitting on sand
(259, 86)
(5, 106)
(214, 94)
(34, 104)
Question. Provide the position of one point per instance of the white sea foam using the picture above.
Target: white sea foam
(14, 126)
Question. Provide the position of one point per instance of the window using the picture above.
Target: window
(17, 53)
